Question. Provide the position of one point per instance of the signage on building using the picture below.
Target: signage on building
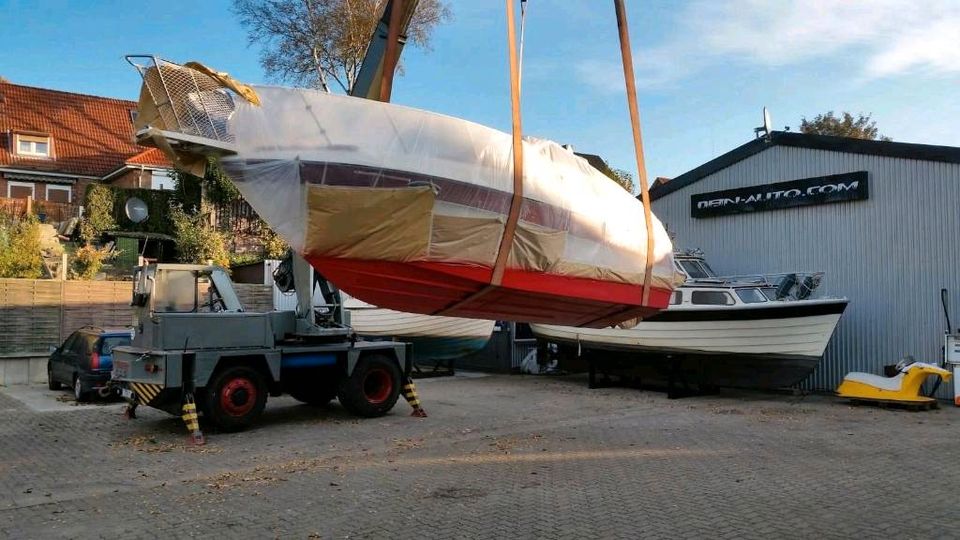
(805, 192)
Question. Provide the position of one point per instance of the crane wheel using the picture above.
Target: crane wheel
(316, 389)
(373, 387)
(235, 397)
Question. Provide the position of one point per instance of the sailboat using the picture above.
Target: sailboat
(407, 209)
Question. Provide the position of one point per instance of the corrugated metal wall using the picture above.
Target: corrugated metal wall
(890, 255)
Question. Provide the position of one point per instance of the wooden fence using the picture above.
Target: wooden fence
(53, 212)
(35, 314)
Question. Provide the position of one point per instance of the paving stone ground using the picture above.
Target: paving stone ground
(499, 457)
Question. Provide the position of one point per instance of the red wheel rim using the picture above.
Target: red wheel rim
(238, 396)
(377, 385)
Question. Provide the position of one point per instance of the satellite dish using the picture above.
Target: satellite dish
(767, 127)
(136, 210)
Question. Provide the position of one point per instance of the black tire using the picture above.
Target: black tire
(235, 397)
(51, 383)
(373, 387)
(79, 393)
(317, 389)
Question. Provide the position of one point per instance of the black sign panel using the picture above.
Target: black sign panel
(808, 191)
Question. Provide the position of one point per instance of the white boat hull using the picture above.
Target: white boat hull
(433, 338)
(800, 336)
(763, 347)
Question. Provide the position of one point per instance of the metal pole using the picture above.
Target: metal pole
(627, 56)
(391, 56)
(506, 241)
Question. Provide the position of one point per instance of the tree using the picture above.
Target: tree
(313, 42)
(861, 127)
(620, 176)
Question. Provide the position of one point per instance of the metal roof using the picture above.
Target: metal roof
(922, 152)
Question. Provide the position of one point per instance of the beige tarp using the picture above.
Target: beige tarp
(391, 224)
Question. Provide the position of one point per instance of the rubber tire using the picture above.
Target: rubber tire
(351, 392)
(314, 392)
(213, 410)
(78, 393)
(51, 384)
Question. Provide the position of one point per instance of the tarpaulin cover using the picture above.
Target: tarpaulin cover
(345, 177)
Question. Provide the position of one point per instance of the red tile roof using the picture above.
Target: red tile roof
(91, 135)
(151, 157)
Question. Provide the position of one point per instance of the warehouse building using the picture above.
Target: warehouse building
(881, 219)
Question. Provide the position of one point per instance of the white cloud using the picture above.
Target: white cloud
(891, 37)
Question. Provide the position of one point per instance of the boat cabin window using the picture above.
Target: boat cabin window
(751, 296)
(676, 298)
(712, 298)
(696, 269)
(770, 293)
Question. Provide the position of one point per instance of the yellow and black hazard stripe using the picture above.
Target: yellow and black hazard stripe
(410, 394)
(146, 392)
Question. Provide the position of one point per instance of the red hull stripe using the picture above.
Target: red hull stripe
(431, 287)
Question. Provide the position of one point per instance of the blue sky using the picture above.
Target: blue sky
(704, 68)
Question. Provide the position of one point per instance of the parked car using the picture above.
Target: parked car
(84, 360)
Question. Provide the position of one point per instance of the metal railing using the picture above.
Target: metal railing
(187, 100)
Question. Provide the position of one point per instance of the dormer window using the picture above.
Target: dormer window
(33, 145)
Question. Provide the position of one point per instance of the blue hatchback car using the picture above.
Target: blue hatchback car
(84, 360)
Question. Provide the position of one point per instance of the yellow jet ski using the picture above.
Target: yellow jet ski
(903, 388)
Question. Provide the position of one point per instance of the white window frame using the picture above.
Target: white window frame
(31, 185)
(33, 139)
(68, 189)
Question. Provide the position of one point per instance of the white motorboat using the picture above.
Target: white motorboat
(433, 337)
(751, 331)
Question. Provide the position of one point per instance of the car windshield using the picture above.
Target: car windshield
(109, 342)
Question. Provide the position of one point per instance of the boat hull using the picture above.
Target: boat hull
(767, 347)
(464, 291)
(433, 338)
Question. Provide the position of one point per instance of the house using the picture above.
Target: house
(53, 144)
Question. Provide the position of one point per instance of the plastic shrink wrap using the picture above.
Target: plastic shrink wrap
(406, 209)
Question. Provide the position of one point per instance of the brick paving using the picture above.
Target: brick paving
(499, 457)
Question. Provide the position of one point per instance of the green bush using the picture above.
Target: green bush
(20, 248)
(98, 204)
(88, 260)
(196, 240)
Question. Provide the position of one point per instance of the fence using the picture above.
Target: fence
(53, 212)
(35, 314)
(238, 217)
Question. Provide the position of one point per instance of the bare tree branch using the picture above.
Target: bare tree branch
(312, 42)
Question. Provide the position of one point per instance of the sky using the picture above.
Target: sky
(704, 69)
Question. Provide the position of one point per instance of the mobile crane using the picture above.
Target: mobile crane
(196, 350)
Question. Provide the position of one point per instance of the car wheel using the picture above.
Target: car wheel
(373, 387)
(235, 397)
(81, 395)
(51, 383)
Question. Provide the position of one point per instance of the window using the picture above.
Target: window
(20, 190)
(676, 298)
(712, 298)
(161, 180)
(176, 292)
(695, 270)
(133, 116)
(33, 145)
(59, 194)
(751, 296)
(109, 342)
